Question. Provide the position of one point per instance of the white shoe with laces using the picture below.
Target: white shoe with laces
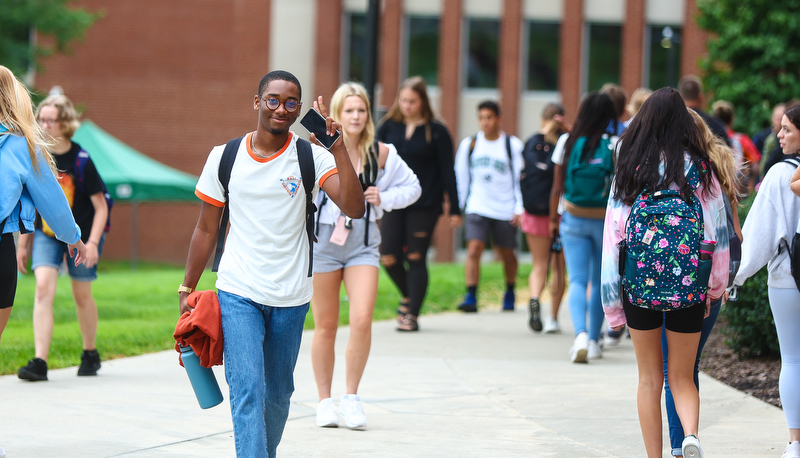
(792, 450)
(326, 414)
(352, 411)
(580, 348)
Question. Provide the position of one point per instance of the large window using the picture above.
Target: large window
(356, 46)
(665, 56)
(542, 64)
(605, 44)
(482, 53)
(423, 48)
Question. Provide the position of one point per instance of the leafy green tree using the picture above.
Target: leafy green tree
(56, 20)
(753, 55)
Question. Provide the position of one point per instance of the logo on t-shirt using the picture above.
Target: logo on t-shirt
(291, 185)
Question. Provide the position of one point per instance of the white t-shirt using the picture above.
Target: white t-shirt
(489, 186)
(266, 251)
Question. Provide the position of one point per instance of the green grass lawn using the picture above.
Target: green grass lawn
(138, 309)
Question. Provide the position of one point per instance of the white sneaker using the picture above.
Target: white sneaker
(792, 450)
(326, 414)
(352, 411)
(595, 350)
(691, 447)
(580, 348)
(551, 326)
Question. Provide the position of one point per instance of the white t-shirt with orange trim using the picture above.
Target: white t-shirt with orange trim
(266, 251)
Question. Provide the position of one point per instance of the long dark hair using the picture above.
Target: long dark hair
(661, 132)
(595, 114)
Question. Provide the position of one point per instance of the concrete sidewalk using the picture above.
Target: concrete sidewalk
(465, 385)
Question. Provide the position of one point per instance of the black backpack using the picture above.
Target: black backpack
(307, 173)
(536, 179)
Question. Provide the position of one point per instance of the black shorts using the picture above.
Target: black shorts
(688, 320)
(8, 270)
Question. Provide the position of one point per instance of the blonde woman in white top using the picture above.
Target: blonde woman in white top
(347, 252)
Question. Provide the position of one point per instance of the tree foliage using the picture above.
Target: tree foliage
(753, 55)
(57, 20)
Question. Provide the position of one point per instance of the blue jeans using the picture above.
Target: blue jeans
(582, 239)
(675, 429)
(49, 252)
(261, 347)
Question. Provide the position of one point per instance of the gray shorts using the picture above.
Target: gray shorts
(478, 227)
(329, 257)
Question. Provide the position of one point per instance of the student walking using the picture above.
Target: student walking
(27, 185)
(488, 167)
(662, 165)
(264, 284)
(536, 183)
(85, 192)
(584, 170)
(426, 146)
(724, 167)
(768, 231)
(347, 253)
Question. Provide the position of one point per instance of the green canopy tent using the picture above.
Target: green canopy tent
(132, 176)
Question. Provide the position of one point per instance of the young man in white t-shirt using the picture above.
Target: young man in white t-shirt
(487, 174)
(262, 280)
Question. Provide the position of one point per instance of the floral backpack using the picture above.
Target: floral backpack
(662, 266)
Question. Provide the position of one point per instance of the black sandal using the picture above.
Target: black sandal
(408, 324)
(402, 311)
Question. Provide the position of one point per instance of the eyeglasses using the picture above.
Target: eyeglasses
(273, 103)
(44, 121)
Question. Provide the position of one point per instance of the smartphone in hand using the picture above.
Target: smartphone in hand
(315, 124)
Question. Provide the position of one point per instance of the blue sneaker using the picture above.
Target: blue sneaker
(508, 301)
(470, 304)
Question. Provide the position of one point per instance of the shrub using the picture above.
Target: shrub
(751, 328)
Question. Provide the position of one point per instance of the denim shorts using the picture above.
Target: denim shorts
(49, 252)
(329, 257)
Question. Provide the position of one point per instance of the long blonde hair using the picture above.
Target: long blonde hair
(722, 161)
(367, 139)
(16, 114)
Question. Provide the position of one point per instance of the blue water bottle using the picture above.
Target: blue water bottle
(203, 380)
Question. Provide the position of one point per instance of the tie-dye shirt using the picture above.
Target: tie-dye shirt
(715, 227)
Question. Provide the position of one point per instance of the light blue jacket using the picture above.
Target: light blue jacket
(23, 191)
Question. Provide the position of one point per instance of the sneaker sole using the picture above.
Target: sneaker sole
(692, 451)
(30, 376)
(468, 308)
(329, 425)
(581, 356)
(357, 427)
(88, 372)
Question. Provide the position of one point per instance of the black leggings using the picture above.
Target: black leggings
(406, 236)
(8, 270)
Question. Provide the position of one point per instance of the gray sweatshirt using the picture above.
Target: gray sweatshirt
(769, 228)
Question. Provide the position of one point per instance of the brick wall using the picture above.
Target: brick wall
(569, 70)
(172, 80)
(632, 45)
(328, 47)
(693, 41)
(510, 63)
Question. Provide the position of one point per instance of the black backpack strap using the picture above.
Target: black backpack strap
(308, 173)
(373, 163)
(224, 174)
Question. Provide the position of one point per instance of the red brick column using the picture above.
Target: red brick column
(693, 41)
(510, 69)
(389, 50)
(571, 58)
(450, 88)
(328, 45)
(632, 46)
